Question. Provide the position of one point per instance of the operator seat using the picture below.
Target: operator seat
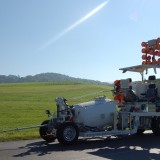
(151, 78)
(151, 93)
(148, 91)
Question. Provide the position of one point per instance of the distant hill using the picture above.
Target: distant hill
(46, 77)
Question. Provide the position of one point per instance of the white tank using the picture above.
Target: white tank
(95, 113)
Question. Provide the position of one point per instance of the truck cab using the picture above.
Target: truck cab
(141, 98)
(145, 90)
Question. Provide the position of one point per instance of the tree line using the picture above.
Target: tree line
(45, 77)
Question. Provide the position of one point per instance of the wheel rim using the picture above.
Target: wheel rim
(69, 133)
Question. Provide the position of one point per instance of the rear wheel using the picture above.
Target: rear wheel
(45, 133)
(140, 131)
(156, 126)
(67, 133)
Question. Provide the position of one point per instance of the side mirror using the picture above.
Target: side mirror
(48, 112)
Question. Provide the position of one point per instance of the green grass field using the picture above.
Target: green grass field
(24, 104)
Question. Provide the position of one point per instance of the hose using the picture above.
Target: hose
(86, 95)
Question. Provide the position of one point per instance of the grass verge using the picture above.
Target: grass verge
(23, 104)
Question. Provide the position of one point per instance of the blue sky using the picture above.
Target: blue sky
(36, 36)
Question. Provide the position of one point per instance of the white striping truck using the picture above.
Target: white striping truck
(135, 108)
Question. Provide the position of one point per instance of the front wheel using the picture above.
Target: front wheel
(156, 126)
(67, 133)
(140, 131)
(45, 133)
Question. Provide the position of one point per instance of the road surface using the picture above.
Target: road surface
(146, 147)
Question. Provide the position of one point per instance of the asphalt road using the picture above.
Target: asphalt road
(146, 147)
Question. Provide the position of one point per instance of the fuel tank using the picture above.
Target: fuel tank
(95, 113)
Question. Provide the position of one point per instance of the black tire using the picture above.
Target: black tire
(43, 131)
(156, 126)
(140, 131)
(67, 133)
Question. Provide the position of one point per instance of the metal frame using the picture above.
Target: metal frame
(115, 132)
(141, 68)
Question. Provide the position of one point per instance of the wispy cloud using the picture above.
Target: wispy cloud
(134, 16)
(74, 25)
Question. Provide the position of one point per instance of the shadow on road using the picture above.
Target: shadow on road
(133, 147)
